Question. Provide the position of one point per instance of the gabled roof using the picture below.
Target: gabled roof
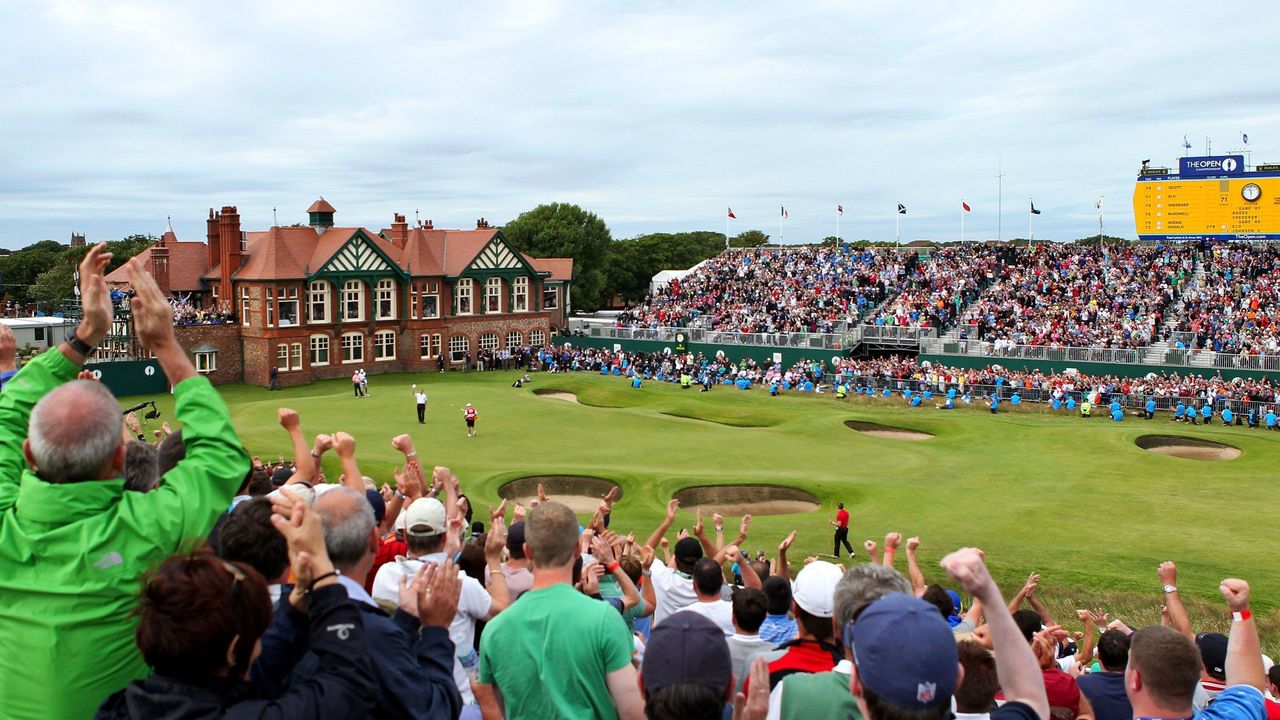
(350, 250)
(561, 269)
(187, 263)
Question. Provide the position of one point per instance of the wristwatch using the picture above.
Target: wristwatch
(77, 344)
(1170, 588)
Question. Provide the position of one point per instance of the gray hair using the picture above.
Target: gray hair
(73, 432)
(864, 584)
(141, 472)
(348, 520)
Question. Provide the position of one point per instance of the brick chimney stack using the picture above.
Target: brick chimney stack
(399, 231)
(215, 253)
(229, 246)
(158, 266)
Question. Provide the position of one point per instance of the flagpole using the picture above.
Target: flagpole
(837, 226)
(897, 226)
(726, 231)
(962, 222)
(1031, 236)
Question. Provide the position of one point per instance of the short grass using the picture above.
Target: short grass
(1072, 499)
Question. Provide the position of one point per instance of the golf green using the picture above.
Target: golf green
(1076, 500)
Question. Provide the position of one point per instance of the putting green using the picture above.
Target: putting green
(1075, 500)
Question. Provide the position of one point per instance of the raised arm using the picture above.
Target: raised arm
(1168, 573)
(603, 551)
(304, 463)
(891, 542)
(913, 567)
(873, 552)
(494, 543)
(1244, 655)
(345, 446)
(656, 536)
(749, 577)
(646, 581)
(1027, 588)
(1016, 665)
(783, 569)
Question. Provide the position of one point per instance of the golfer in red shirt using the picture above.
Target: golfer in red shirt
(842, 529)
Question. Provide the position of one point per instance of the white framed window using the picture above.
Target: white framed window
(353, 300)
(493, 295)
(318, 302)
(271, 307)
(295, 356)
(288, 306)
(386, 299)
(244, 306)
(514, 339)
(429, 346)
(458, 347)
(384, 345)
(206, 362)
(352, 348)
(550, 298)
(537, 338)
(213, 289)
(282, 357)
(463, 293)
(489, 341)
(520, 301)
(429, 300)
(319, 349)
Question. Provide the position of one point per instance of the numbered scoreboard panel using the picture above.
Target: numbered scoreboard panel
(1238, 206)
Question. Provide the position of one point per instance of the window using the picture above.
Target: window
(271, 307)
(352, 348)
(319, 349)
(352, 301)
(550, 298)
(458, 346)
(244, 242)
(295, 356)
(493, 295)
(537, 338)
(464, 299)
(429, 346)
(514, 340)
(318, 302)
(426, 300)
(386, 305)
(521, 300)
(384, 345)
(282, 357)
(244, 306)
(288, 306)
(489, 341)
(206, 362)
(214, 289)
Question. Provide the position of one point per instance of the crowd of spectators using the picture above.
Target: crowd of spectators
(1236, 307)
(187, 313)
(933, 292)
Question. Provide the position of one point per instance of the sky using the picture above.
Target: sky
(657, 116)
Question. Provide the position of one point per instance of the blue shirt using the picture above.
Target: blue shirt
(777, 629)
(1206, 411)
(1151, 406)
(1105, 691)
(1239, 702)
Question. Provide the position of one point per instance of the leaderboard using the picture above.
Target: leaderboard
(1210, 197)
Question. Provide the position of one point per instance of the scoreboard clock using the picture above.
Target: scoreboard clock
(1251, 192)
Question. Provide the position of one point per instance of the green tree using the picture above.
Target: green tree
(749, 239)
(566, 230)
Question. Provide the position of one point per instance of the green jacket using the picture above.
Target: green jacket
(72, 555)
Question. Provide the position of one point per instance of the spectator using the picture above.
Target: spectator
(516, 568)
(778, 626)
(813, 650)
(708, 580)
(77, 544)
(688, 670)
(246, 536)
(673, 587)
(594, 678)
(749, 608)
(979, 684)
(1105, 690)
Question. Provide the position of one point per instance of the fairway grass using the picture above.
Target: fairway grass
(1075, 500)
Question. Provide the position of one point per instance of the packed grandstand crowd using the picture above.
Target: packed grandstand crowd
(393, 597)
(1050, 294)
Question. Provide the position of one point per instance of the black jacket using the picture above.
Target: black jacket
(342, 687)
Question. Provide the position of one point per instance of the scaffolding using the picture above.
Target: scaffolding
(120, 343)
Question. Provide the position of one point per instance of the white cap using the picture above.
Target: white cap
(814, 589)
(425, 518)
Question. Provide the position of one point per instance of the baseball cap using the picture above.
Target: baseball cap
(1213, 652)
(515, 537)
(425, 518)
(379, 505)
(281, 475)
(815, 588)
(689, 549)
(904, 651)
(687, 649)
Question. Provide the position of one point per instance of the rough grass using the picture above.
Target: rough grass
(1072, 499)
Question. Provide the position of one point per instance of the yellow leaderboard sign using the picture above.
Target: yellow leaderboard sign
(1176, 208)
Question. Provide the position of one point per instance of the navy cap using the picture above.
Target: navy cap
(689, 549)
(905, 652)
(1213, 652)
(379, 505)
(687, 649)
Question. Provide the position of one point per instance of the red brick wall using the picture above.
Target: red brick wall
(226, 338)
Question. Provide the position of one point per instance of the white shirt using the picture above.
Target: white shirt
(719, 611)
(473, 604)
(672, 590)
(420, 396)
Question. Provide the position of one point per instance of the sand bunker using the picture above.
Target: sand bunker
(1187, 447)
(728, 423)
(557, 395)
(582, 494)
(737, 500)
(886, 432)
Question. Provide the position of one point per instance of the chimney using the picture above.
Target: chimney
(215, 254)
(229, 238)
(399, 231)
(77, 240)
(430, 226)
(158, 265)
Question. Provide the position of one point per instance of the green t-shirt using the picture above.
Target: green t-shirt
(549, 655)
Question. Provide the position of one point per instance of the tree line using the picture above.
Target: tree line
(41, 273)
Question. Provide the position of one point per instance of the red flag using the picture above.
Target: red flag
(840, 209)
(735, 217)
(966, 207)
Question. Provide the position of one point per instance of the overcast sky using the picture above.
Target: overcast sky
(655, 115)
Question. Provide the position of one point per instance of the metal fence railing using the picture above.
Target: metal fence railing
(836, 342)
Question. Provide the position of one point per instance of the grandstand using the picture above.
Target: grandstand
(1195, 306)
